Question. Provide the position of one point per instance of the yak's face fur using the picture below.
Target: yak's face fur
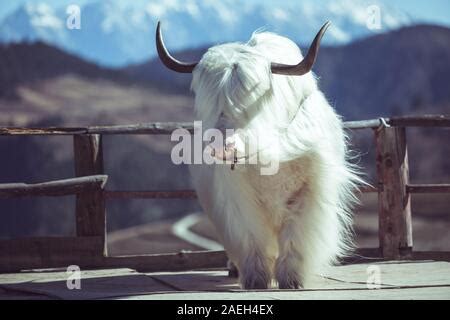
(235, 88)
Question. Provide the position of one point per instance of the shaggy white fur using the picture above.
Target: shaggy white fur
(292, 224)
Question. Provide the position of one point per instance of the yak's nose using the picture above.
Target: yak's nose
(222, 153)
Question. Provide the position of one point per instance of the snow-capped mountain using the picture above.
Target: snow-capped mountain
(115, 34)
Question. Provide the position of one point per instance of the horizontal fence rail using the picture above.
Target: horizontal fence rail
(53, 188)
(88, 248)
(406, 121)
(428, 188)
(191, 194)
(170, 194)
(168, 127)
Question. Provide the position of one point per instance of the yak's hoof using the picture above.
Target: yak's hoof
(289, 284)
(252, 284)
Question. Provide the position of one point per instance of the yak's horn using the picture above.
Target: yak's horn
(169, 61)
(307, 63)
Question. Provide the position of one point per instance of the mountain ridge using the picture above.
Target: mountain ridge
(25, 63)
(115, 34)
(347, 72)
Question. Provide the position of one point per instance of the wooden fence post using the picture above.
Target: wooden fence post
(90, 206)
(394, 207)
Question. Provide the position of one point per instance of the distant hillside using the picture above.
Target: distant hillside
(401, 72)
(406, 71)
(117, 33)
(25, 63)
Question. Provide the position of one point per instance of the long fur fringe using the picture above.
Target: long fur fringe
(293, 224)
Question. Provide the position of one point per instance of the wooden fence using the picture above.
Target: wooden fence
(89, 250)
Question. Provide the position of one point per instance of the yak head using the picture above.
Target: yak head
(253, 89)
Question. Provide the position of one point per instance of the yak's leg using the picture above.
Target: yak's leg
(311, 237)
(250, 245)
(241, 224)
(288, 266)
(255, 270)
(253, 255)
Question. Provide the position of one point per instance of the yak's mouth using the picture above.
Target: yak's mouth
(229, 154)
(226, 153)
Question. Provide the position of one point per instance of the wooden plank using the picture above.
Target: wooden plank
(48, 252)
(428, 188)
(355, 276)
(397, 280)
(394, 203)
(90, 206)
(431, 255)
(433, 293)
(52, 252)
(395, 273)
(95, 284)
(170, 261)
(53, 188)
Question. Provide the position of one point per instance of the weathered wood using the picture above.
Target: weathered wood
(49, 252)
(428, 188)
(95, 284)
(168, 127)
(38, 253)
(431, 255)
(169, 261)
(53, 188)
(420, 121)
(142, 128)
(362, 124)
(398, 280)
(394, 205)
(40, 131)
(90, 206)
(176, 194)
(404, 121)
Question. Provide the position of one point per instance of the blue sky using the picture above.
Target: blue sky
(432, 11)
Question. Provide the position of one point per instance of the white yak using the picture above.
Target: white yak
(292, 223)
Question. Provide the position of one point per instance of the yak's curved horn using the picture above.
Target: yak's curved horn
(169, 61)
(307, 63)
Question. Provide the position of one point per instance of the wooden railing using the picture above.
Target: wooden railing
(89, 250)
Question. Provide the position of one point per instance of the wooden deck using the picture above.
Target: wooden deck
(398, 280)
